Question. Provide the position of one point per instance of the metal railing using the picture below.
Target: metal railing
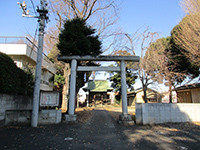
(23, 40)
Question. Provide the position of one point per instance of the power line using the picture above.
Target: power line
(29, 58)
(52, 9)
(33, 7)
(33, 44)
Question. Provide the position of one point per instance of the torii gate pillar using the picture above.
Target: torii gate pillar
(71, 117)
(125, 118)
(123, 88)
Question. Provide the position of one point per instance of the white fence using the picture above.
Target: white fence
(155, 113)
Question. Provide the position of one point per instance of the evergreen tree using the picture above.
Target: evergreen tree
(180, 55)
(78, 39)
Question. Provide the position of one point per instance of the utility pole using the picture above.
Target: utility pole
(42, 10)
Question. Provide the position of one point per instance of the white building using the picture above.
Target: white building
(24, 53)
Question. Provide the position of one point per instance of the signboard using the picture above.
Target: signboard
(49, 98)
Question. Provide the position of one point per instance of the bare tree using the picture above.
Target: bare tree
(164, 67)
(145, 72)
(187, 35)
(190, 6)
(100, 14)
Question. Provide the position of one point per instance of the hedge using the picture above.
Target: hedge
(14, 80)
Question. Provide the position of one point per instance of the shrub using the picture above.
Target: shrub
(13, 80)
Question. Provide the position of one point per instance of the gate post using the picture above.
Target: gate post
(72, 91)
(125, 118)
(71, 117)
(123, 88)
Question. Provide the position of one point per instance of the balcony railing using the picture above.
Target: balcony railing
(23, 40)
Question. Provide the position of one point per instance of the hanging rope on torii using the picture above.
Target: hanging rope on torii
(125, 118)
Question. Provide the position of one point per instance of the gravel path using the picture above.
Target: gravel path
(101, 132)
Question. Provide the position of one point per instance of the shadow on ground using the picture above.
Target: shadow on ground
(101, 131)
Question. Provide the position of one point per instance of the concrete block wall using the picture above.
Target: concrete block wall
(14, 102)
(18, 117)
(138, 113)
(155, 113)
(17, 110)
(49, 117)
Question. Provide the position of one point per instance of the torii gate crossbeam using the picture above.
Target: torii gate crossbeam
(71, 117)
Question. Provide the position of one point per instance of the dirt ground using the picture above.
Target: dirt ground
(181, 136)
(84, 114)
(98, 129)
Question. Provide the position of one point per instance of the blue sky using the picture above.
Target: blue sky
(12, 22)
(159, 15)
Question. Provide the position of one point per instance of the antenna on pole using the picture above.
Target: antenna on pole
(23, 7)
(25, 11)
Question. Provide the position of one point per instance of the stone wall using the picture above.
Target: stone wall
(155, 113)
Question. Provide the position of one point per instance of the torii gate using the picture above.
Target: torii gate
(125, 118)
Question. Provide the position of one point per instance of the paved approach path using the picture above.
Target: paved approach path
(101, 132)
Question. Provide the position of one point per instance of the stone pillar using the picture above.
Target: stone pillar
(123, 88)
(125, 118)
(72, 93)
(71, 117)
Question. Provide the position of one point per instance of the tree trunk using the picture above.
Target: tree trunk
(170, 92)
(145, 94)
(65, 88)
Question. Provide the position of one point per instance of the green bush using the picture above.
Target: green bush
(13, 80)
